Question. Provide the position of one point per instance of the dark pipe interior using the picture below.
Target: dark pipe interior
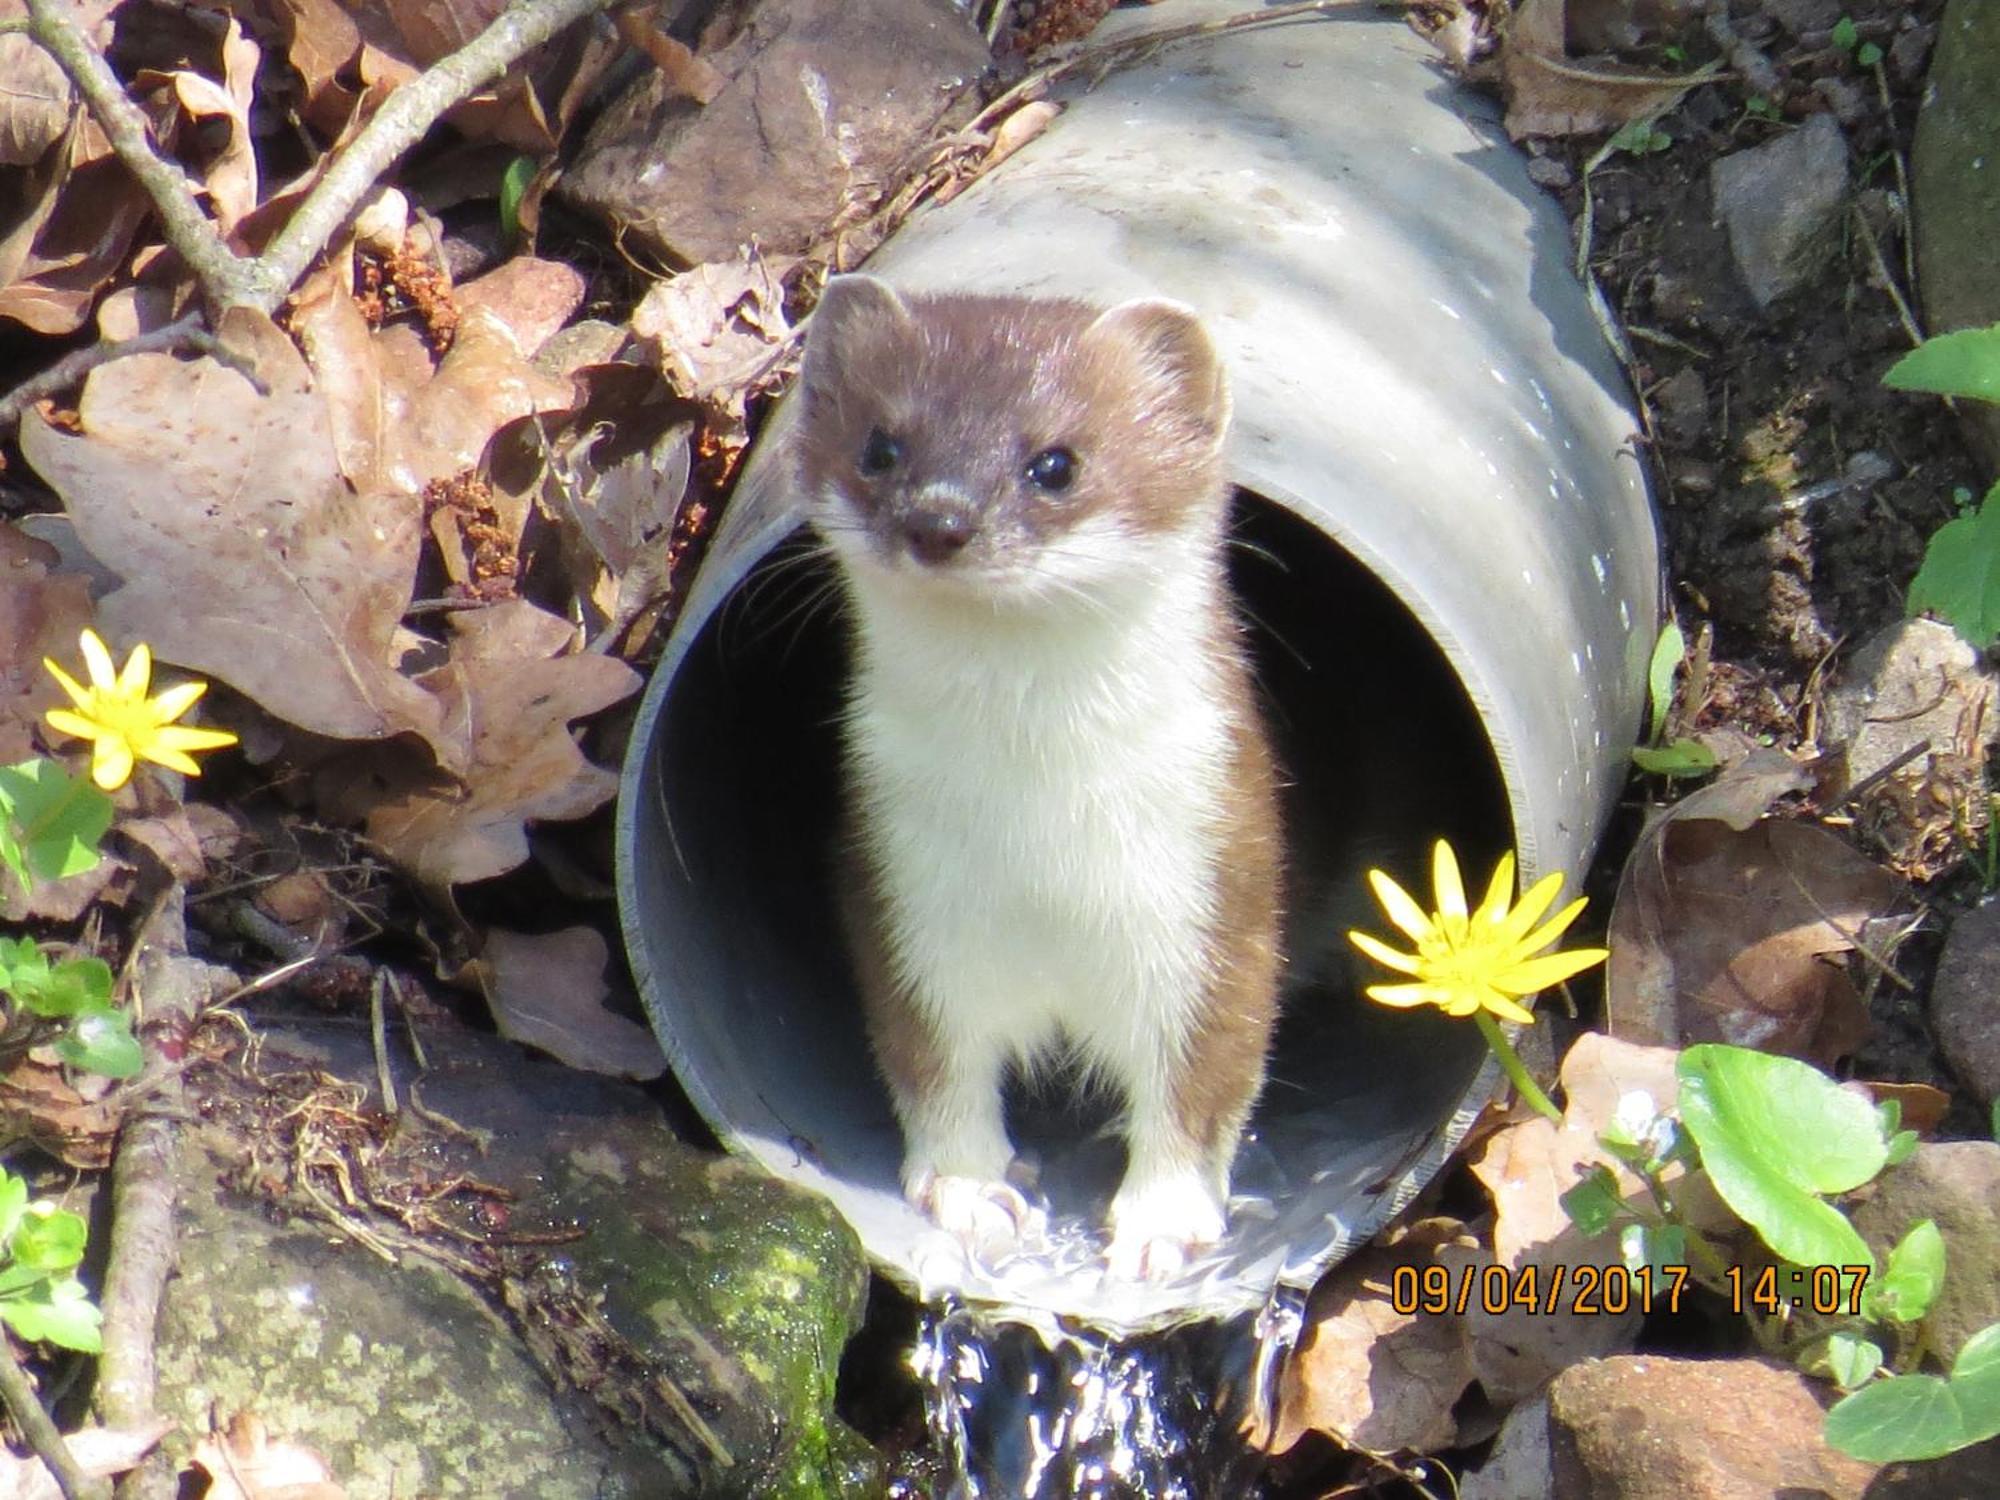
(1383, 754)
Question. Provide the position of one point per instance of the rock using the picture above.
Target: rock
(1956, 1184)
(1964, 1475)
(1640, 1427)
(1780, 204)
(1965, 1001)
(1550, 172)
(1803, 17)
(1955, 185)
(824, 102)
(701, 1303)
(1913, 683)
(1681, 403)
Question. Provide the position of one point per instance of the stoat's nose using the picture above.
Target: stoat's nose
(936, 533)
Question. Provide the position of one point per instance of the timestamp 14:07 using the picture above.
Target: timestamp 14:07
(1826, 1290)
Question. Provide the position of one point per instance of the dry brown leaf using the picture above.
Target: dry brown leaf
(1550, 93)
(444, 426)
(100, 1452)
(245, 555)
(1373, 1377)
(246, 1463)
(548, 990)
(531, 297)
(42, 612)
(1727, 929)
(73, 1117)
(509, 696)
(86, 209)
(230, 175)
(718, 329)
(686, 75)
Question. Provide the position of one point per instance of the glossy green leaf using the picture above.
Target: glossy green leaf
(1593, 1204)
(1683, 758)
(1959, 580)
(49, 1239)
(1913, 1417)
(1910, 1282)
(513, 190)
(1775, 1135)
(67, 988)
(13, 1203)
(1653, 1247)
(101, 1041)
(1848, 1358)
(56, 1312)
(1667, 653)
(1966, 363)
(57, 819)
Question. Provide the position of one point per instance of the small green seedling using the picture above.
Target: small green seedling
(1640, 138)
(40, 1248)
(1847, 37)
(1779, 1142)
(1682, 757)
(1959, 580)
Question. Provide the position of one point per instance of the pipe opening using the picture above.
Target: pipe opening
(732, 924)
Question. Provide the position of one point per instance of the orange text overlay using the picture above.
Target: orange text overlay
(1586, 1291)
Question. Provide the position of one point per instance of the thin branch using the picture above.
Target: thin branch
(25, 1407)
(222, 273)
(399, 124)
(67, 371)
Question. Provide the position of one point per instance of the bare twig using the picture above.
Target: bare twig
(222, 274)
(187, 333)
(229, 280)
(25, 1407)
(398, 125)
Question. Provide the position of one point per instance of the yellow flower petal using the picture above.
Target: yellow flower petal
(1450, 891)
(1537, 974)
(1507, 1010)
(138, 673)
(1408, 994)
(78, 693)
(1401, 909)
(64, 722)
(1499, 891)
(178, 737)
(1552, 929)
(1382, 953)
(176, 701)
(97, 661)
(173, 760)
(1535, 900)
(110, 762)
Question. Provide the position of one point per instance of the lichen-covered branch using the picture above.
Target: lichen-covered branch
(25, 1407)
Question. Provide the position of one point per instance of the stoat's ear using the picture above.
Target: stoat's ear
(1177, 360)
(851, 310)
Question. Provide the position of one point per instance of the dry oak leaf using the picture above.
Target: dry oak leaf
(246, 1463)
(548, 991)
(230, 174)
(246, 556)
(42, 612)
(100, 1452)
(1732, 927)
(510, 696)
(1549, 93)
(718, 329)
(1373, 1377)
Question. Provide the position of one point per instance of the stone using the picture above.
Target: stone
(1642, 1427)
(1965, 1002)
(1780, 204)
(702, 1304)
(1955, 187)
(824, 101)
(1956, 1184)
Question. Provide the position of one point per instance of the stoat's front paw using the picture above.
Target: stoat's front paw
(988, 1217)
(1160, 1226)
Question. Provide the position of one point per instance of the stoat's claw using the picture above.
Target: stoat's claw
(988, 1218)
(1158, 1228)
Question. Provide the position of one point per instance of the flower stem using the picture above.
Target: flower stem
(1517, 1072)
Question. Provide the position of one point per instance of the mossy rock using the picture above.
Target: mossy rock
(1955, 165)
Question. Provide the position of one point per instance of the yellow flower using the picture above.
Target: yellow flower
(1483, 960)
(122, 723)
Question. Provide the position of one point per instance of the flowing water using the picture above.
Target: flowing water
(1067, 1412)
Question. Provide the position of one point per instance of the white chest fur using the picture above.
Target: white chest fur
(1041, 794)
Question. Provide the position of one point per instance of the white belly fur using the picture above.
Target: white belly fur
(1041, 802)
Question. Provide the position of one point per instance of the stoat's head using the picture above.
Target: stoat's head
(1007, 446)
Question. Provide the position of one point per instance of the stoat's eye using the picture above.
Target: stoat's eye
(880, 453)
(1053, 469)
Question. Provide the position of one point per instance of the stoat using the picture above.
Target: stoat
(1061, 802)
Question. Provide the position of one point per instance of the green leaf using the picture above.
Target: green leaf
(1902, 1146)
(1868, 54)
(1913, 1417)
(10, 851)
(58, 1312)
(1846, 33)
(1966, 363)
(50, 1239)
(1774, 1135)
(1593, 1203)
(1667, 653)
(1848, 1358)
(1995, 1120)
(76, 984)
(101, 1041)
(1653, 1247)
(13, 1203)
(1681, 758)
(1960, 577)
(513, 189)
(1904, 1291)
(58, 820)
